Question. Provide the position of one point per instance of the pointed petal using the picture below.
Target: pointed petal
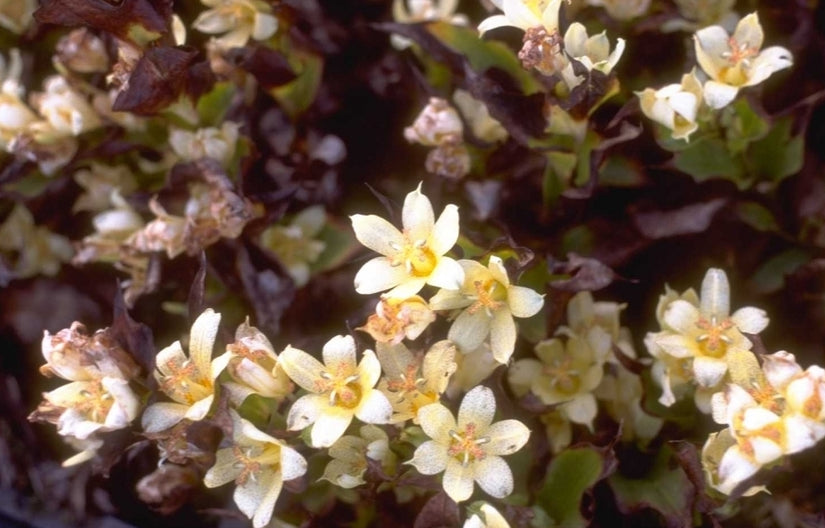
(305, 411)
(301, 368)
(750, 320)
(170, 359)
(719, 95)
(272, 487)
(715, 295)
(477, 407)
(369, 370)
(682, 316)
(524, 302)
(378, 275)
(224, 469)
(417, 215)
(677, 345)
(330, 426)
(448, 274)
(408, 287)
(769, 61)
(293, 464)
(493, 22)
(522, 374)
(494, 476)
(377, 234)
(375, 408)
(202, 339)
(437, 421)
(582, 409)
(574, 40)
(749, 32)
(458, 479)
(251, 494)
(502, 335)
(199, 409)
(430, 458)
(161, 416)
(445, 231)
(506, 437)
(449, 300)
(710, 43)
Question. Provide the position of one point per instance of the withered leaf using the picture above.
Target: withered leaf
(116, 18)
(587, 274)
(160, 77)
(134, 337)
(269, 67)
(269, 292)
(693, 218)
(439, 512)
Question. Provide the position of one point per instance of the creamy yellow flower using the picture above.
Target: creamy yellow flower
(735, 61)
(675, 106)
(189, 381)
(707, 333)
(413, 11)
(485, 516)
(437, 123)
(489, 304)
(411, 382)
(216, 143)
(295, 244)
(65, 111)
(592, 52)
(31, 249)
(253, 365)
(472, 368)
(259, 464)
(524, 14)
(338, 390)
(237, 20)
(395, 319)
(15, 115)
(99, 181)
(566, 374)
(74, 355)
(412, 257)
(469, 449)
(350, 453)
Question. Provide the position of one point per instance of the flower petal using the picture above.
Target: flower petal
(199, 409)
(339, 354)
(718, 95)
(677, 345)
(493, 22)
(417, 216)
(766, 63)
(506, 437)
(272, 486)
(524, 302)
(494, 476)
(161, 416)
(408, 287)
(301, 368)
(445, 231)
(437, 421)
(582, 409)
(469, 329)
(202, 339)
(709, 371)
(430, 458)
(369, 370)
(458, 480)
(750, 320)
(449, 300)
(682, 316)
(330, 426)
(305, 411)
(250, 495)
(377, 234)
(477, 407)
(378, 275)
(224, 470)
(502, 335)
(448, 274)
(375, 408)
(715, 294)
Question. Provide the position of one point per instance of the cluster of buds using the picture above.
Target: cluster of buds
(440, 127)
(97, 398)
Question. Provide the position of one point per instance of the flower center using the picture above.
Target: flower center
(184, 383)
(251, 459)
(465, 446)
(738, 57)
(96, 402)
(714, 341)
(344, 391)
(490, 295)
(564, 378)
(406, 383)
(416, 257)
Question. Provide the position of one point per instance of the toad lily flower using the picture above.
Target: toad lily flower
(259, 464)
(238, 20)
(592, 52)
(490, 302)
(674, 106)
(469, 449)
(734, 61)
(350, 453)
(413, 257)
(189, 381)
(395, 319)
(709, 333)
(339, 389)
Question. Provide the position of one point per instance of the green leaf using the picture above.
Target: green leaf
(757, 216)
(777, 155)
(665, 488)
(483, 54)
(557, 175)
(340, 246)
(770, 276)
(571, 473)
(709, 158)
(213, 105)
(296, 96)
(743, 125)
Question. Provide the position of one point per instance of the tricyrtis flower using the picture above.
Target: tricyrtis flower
(338, 390)
(472, 368)
(189, 381)
(485, 516)
(707, 333)
(74, 355)
(295, 244)
(350, 453)
(253, 365)
(237, 20)
(674, 106)
(469, 449)
(566, 374)
(15, 115)
(524, 14)
(99, 181)
(583, 313)
(412, 257)
(66, 112)
(735, 61)
(411, 382)
(216, 143)
(259, 464)
(592, 52)
(489, 305)
(395, 319)
(83, 408)
(30, 249)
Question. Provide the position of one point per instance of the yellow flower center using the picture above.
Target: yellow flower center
(251, 459)
(96, 402)
(739, 59)
(416, 257)
(344, 390)
(465, 446)
(713, 341)
(564, 378)
(490, 295)
(406, 383)
(185, 383)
